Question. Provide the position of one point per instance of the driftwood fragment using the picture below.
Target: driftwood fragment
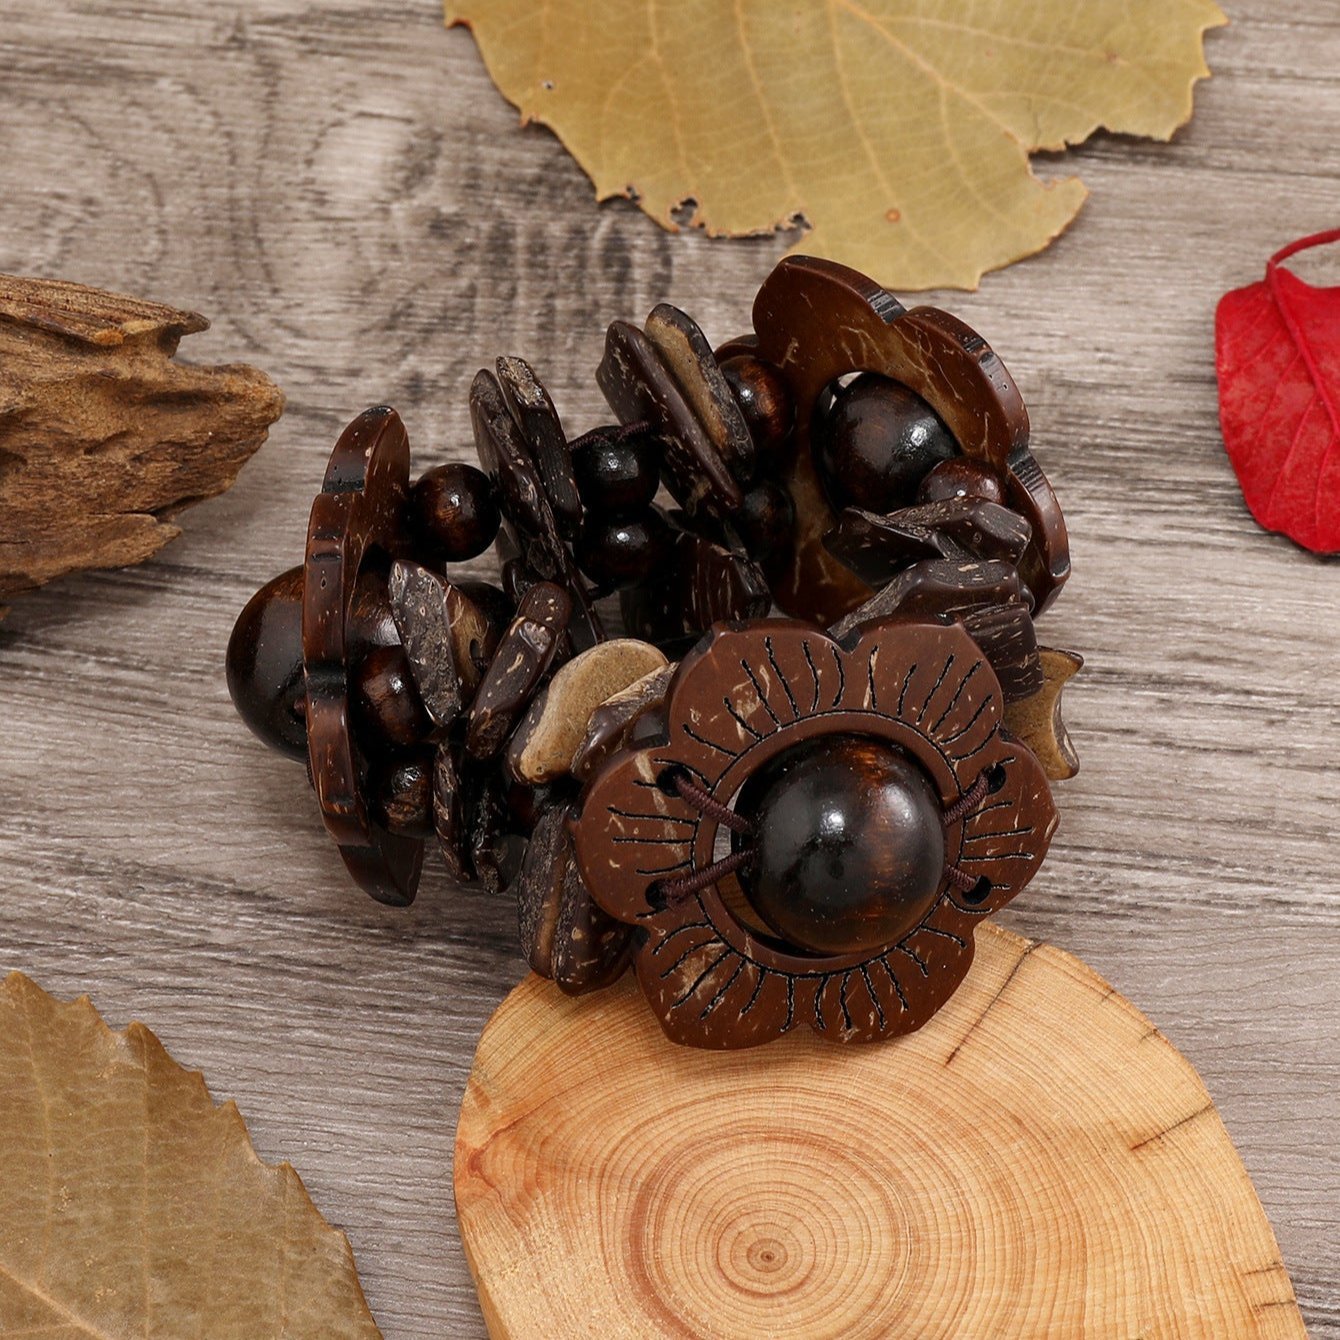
(103, 436)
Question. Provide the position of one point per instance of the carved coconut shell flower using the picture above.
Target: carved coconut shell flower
(716, 973)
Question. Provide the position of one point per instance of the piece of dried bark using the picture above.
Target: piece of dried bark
(103, 437)
(131, 1205)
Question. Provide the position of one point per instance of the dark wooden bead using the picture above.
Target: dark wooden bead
(766, 519)
(765, 401)
(849, 848)
(490, 600)
(402, 795)
(875, 444)
(618, 471)
(387, 708)
(371, 619)
(961, 477)
(264, 665)
(452, 513)
(618, 553)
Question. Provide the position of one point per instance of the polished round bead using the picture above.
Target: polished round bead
(619, 553)
(848, 844)
(617, 471)
(453, 516)
(961, 478)
(264, 665)
(764, 399)
(876, 443)
(402, 795)
(388, 711)
(766, 519)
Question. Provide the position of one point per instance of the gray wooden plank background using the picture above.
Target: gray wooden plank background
(341, 189)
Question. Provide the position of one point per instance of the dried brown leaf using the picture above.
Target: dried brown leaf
(899, 129)
(130, 1205)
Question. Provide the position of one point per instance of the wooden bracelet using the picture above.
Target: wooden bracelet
(776, 820)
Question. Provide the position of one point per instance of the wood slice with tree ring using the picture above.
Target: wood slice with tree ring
(1038, 1161)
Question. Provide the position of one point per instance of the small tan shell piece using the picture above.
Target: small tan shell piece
(543, 747)
(1036, 721)
(611, 722)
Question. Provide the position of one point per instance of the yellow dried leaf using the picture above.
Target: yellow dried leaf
(899, 129)
(130, 1205)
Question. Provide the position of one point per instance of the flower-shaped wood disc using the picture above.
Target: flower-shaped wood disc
(359, 510)
(818, 321)
(714, 976)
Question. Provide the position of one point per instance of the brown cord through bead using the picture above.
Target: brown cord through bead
(615, 433)
(676, 891)
(989, 780)
(708, 804)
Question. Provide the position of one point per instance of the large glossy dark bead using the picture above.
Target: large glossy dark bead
(875, 444)
(619, 553)
(766, 519)
(388, 712)
(849, 848)
(961, 478)
(618, 472)
(264, 665)
(765, 401)
(453, 516)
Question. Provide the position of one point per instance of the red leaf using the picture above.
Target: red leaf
(1278, 359)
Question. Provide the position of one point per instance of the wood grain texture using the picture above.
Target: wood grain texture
(623, 1191)
(343, 191)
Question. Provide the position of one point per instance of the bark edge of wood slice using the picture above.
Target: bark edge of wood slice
(1038, 1161)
